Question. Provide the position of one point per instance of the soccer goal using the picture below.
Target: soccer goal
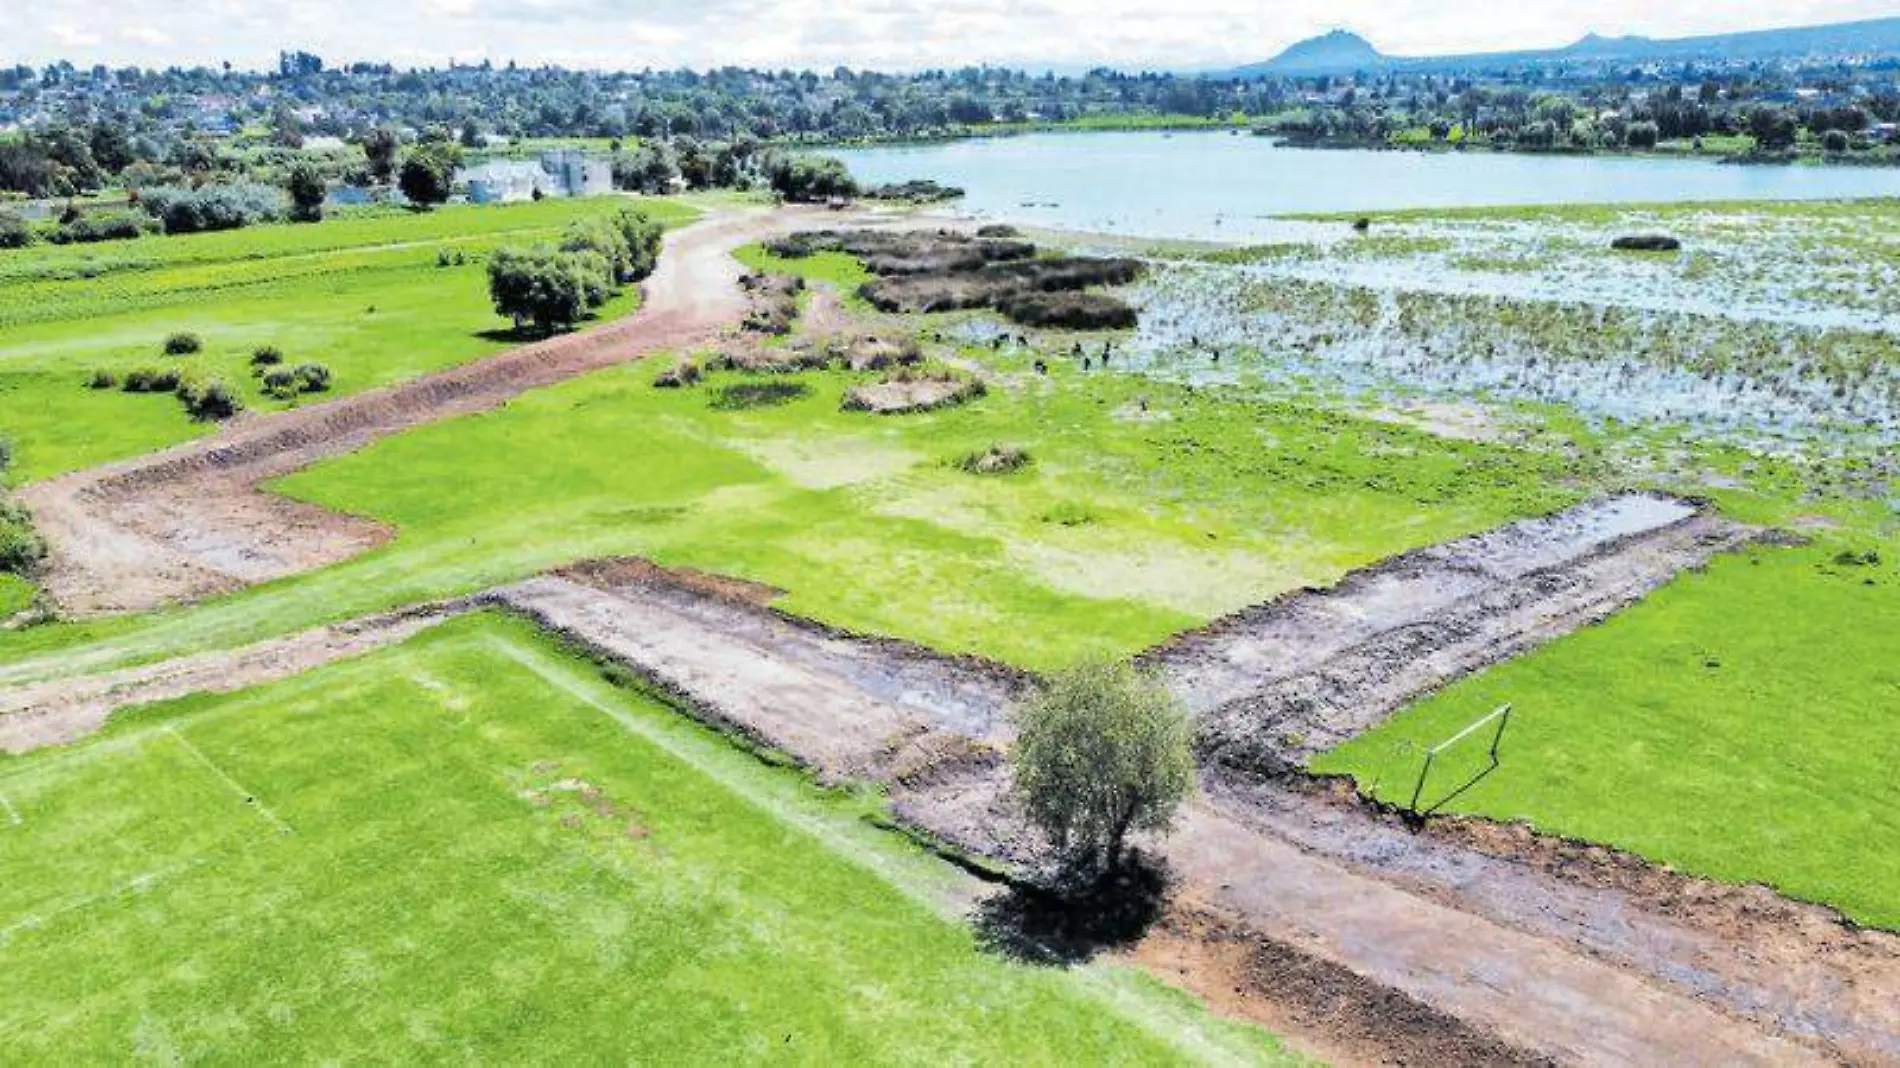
(1497, 720)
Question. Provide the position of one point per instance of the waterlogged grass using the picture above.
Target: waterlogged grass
(1130, 527)
(1738, 724)
(471, 847)
(363, 295)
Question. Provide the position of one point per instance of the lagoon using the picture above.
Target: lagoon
(1222, 186)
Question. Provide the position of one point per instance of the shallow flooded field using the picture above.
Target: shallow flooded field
(1772, 327)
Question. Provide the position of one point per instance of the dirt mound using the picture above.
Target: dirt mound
(868, 352)
(912, 393)
(774, 302)
(993, 283)
(1068, 311)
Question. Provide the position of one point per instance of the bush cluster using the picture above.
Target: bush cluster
(212, 207)
(15, 232)
(555, 288)
(209, 399)
(95, 226)
(183, 343)
(151, 380)
(285, 382)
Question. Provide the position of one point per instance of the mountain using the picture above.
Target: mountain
(1331, 53)
(1340, 52)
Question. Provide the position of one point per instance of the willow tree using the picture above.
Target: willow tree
(1101, 751)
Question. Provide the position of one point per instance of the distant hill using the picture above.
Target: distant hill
(1328, 54)
(1340, 52)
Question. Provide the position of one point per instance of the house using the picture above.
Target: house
(565, 172)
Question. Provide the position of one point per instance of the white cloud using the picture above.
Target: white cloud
(877, 34)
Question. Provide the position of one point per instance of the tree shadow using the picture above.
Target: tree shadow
(1078, 916)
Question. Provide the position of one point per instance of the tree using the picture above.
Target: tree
(1101, 751)
(307, 190)
(428, 173)
(1641, 135)
(1771, 127)
(542, 286)
(1835, 142)
(379, 149)
(803, 179)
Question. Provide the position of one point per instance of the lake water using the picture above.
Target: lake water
(1225, 187)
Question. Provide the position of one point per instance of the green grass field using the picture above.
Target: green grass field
(362, 294)
(472, 847)
(1738, 724)
(1130, 526)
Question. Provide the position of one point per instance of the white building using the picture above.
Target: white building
(565, 172)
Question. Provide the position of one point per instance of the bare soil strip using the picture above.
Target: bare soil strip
(190, 522)
(54, 713)
(1469, 942)
(927, 727)
(1277, 684)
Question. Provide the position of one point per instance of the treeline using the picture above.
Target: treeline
(1614, 116)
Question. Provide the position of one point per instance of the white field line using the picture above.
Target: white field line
(137, 883)
(1197, 1037)
(236, 787)
(847, 847)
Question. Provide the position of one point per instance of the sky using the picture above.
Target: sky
(866, 34)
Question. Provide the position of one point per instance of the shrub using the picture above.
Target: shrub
(15, 232)
(808, 179)
(1646, 243)
(744, 395)
(267, 356)
(682, 374)
(151, 380)
(450, 257)
(997, 230)
(20, 545)
(101, 379)
(307, 191)
(995, 460)
(101, 226)
(1835, 142)
(213, 207)
(312, 377)
(183, 343)
(1641, 135)
(1100, 752)
(209, 400)
(280, 383)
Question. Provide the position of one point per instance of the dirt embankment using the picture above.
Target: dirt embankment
(1367, 941)
(1276, 684)
(1529, 973)
(189, 522)
(54, 713)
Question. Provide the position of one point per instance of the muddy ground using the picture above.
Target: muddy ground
(1279, 683)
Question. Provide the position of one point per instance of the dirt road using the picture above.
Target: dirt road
(1467, 942)
(1589, 974)
(1276, 684)
(189, 523)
